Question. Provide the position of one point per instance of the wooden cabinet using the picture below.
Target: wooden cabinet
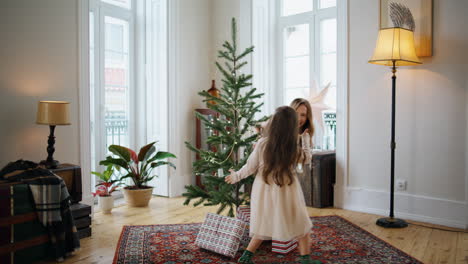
(71, 174)
(22, 237)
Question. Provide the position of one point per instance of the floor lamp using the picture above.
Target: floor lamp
(394, 47)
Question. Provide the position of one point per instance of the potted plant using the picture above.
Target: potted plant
(139, 169)
(105, 188)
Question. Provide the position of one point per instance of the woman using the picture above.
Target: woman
(306, 128)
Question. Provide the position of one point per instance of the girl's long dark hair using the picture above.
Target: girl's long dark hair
(281, 150)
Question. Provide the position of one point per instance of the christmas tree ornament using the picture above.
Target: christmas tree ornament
(213, 91)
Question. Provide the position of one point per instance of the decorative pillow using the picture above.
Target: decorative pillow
(221, 234)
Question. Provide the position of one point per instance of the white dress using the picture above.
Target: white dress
(277, 213)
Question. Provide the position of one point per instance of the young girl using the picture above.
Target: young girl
(278, 209)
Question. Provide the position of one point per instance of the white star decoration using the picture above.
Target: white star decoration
(318, 105)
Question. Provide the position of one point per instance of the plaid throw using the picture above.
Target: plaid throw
(52, 202)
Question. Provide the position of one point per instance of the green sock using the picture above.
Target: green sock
(246, 257)
(306, 259)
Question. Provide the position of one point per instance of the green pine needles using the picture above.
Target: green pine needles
(235, 133)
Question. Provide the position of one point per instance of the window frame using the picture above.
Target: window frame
(312, 19)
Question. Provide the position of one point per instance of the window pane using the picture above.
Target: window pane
(296, 40)
(327, 69)
(292, 7)
(328, 35)
(330, 99)
(327, 3)
(114, 42)
(328, 62)
(297, 72)
(122, 3)
(116, 81)
(291, 94)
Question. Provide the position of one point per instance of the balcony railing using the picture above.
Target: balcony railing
(329, 134)
(116, 124)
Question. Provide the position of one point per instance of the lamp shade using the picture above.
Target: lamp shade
(53, 113)
(395, 45)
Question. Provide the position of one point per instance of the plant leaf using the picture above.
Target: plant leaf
(160, 163)
(120, 151)
(164, 155)
(146, 151)
(114, 162)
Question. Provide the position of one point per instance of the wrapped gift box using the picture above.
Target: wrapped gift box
(243, 213)
(283, 247)
(221, 234)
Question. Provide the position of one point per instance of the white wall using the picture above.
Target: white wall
(431, 124)
(203, 26)
(193, 64)
(39, 61)
(223, 12)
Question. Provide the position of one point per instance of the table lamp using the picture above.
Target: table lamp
(394, 47)
(52, 113)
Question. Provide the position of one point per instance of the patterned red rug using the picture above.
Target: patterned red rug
(334, 240)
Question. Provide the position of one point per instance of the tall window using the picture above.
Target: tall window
(112, 85)
(307, 33)
(128, 84)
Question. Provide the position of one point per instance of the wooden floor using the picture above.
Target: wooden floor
(427, 244)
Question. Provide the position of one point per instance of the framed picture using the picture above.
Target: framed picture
(415, 15)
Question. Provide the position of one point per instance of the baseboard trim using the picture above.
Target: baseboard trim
(407, 206)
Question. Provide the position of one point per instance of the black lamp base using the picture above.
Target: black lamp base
(391, 222)
(49, 164)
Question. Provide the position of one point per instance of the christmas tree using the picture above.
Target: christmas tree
(232, 143)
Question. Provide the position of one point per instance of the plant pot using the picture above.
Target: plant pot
(138, 197)
(106, 203)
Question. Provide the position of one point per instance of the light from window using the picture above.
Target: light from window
(297, 40)
(328, 59)
(116, 77)
(296, 62)
(291, 94)
(297, 72)
(327, 3)
(122, 3)
(292, 7)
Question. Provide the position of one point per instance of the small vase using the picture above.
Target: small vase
(106, 203)
(213, 92)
